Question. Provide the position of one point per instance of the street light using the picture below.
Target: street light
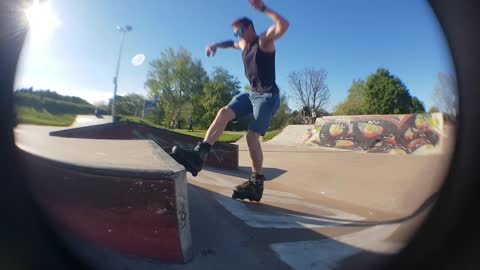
(123, 30)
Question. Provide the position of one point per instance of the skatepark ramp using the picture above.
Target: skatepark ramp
(129, 197)
(319, 207)
(222, 155)
(293, 135)
(394, 134)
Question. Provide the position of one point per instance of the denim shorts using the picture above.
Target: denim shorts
(261, 105)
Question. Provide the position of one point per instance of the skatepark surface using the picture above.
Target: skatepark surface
(322, 208)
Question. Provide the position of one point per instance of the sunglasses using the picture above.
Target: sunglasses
(239, 32)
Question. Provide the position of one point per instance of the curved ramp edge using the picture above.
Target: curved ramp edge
(222, 155)
(133, 210)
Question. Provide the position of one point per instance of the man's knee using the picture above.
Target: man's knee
(225, 114)
(252, 136)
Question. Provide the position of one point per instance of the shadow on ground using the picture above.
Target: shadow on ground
(244, 172)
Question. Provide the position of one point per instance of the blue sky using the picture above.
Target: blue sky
(349, 39)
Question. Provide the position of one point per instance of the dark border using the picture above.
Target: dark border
(449, 239)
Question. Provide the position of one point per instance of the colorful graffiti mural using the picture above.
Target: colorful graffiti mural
(399, 134)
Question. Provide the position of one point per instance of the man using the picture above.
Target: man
(306, 114)
(190, 124)
(258, 54)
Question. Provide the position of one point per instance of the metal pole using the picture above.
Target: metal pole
(143, 111)
(115, 79)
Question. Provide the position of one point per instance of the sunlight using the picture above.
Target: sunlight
(42, 22)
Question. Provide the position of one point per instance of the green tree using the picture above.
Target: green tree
(130, 104)
(433, 109)
(417, 106)
(355, 102)
(217, 92)
(386, 94)
(295, 118)
(322, 112)
(280, 119)
(102, 107)
(177, 80)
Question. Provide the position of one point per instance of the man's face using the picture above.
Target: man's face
(242, 32)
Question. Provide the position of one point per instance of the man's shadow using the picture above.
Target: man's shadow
(244, 172)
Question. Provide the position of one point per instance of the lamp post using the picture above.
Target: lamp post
(123, 30)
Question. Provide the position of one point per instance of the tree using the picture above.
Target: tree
(445, 94)
(417, 106)
(322, 112)
(280, 119)
(131, 104)
(386, 94)
(310, 88)
(355, 102)
(177, 80)
(433, 109)
(102, 107)
(217, 92)
(295, 118)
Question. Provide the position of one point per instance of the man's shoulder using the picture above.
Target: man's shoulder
(265, 44)
(241, 44)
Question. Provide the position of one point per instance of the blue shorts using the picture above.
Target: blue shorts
(262, 106)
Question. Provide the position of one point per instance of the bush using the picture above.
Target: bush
(51, 105)
(28, 115)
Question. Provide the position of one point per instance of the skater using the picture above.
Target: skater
(306, 114)
(258, 54)
(314, 117)
(190, 124)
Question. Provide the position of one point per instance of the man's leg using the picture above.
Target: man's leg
(224, 116)
(255, 149)
(193, 160)
(264, 107)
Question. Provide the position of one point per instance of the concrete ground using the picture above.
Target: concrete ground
(321, 209)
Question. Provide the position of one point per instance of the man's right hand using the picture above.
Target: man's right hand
(257, 4)
(212, 49)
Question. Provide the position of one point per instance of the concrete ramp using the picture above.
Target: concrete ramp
(397, 134)
(293, 135)
(89, 120)
(222, 155)
(321, 209)
(393, 134)
(125, 196)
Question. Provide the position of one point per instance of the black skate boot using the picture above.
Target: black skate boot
(192, 160)
(251, 189)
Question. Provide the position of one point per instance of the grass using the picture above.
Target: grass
(26, 115)
(271, 134)
(139, 120)
(227, 137)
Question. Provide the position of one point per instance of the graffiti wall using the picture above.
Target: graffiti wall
(400, 134)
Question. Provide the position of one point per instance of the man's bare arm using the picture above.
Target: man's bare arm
(277, 30)
(280, 26)
(212, 49)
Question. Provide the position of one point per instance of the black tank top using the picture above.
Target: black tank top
(259, 67)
